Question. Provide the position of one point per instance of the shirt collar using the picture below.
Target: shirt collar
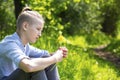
(18, 40)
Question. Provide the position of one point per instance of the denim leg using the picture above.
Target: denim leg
(52, 72)
(21, 75)
(17, 75)
(39, 75)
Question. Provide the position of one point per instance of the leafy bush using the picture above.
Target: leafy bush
(97, 38)
(7, 18)
(114, 47)
(69, 16)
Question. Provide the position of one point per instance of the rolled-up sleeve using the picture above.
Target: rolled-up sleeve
(14, 53)
(35, 52)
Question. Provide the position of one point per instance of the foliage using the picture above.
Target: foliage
(82, 66)
(88, 18)
(82, 41)
(81, 63)
(115, 42)
(90, 40)
(73, 16)
(7, 19)
(49, 12)
(69, 16)
(114, 47)
(78, 16)
(97, 38)
(111, 13)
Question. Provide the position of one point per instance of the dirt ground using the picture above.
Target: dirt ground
(107, 56)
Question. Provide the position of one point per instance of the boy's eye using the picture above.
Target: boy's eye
(38, 29)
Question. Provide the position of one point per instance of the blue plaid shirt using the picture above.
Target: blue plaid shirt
(12, 51)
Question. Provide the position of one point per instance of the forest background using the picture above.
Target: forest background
(81, 26)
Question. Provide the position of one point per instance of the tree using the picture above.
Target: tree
(111, 16)
(19, 4)
(7, 18)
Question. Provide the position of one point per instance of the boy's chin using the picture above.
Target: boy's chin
(32, 41)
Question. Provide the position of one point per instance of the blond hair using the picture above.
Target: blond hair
(27, 15)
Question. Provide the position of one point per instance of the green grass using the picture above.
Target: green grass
(81, 63)
(84, 65)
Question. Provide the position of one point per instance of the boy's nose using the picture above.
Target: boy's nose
(39, 34)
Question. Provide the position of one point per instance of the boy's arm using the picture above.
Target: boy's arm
(36, 64)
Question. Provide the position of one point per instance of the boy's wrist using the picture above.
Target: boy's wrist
(55, 60)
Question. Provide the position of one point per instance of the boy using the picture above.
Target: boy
(21, 61)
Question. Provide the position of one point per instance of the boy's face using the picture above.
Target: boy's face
(33, 32)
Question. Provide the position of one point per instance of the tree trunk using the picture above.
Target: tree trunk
(18, 7)
(110, 19)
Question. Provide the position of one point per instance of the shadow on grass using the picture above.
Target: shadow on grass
(108, 58)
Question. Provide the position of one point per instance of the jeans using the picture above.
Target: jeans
(50, 73)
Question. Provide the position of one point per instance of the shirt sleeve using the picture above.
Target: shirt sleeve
(14, 53)
(35, 52)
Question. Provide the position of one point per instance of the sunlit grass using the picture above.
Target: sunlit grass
(79, 41)
(81, 63)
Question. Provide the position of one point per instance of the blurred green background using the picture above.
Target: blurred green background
(81, 26)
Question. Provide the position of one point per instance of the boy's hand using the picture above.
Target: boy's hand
(65, 51)
(60, 54)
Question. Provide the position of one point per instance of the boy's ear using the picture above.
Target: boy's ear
(25, 26)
